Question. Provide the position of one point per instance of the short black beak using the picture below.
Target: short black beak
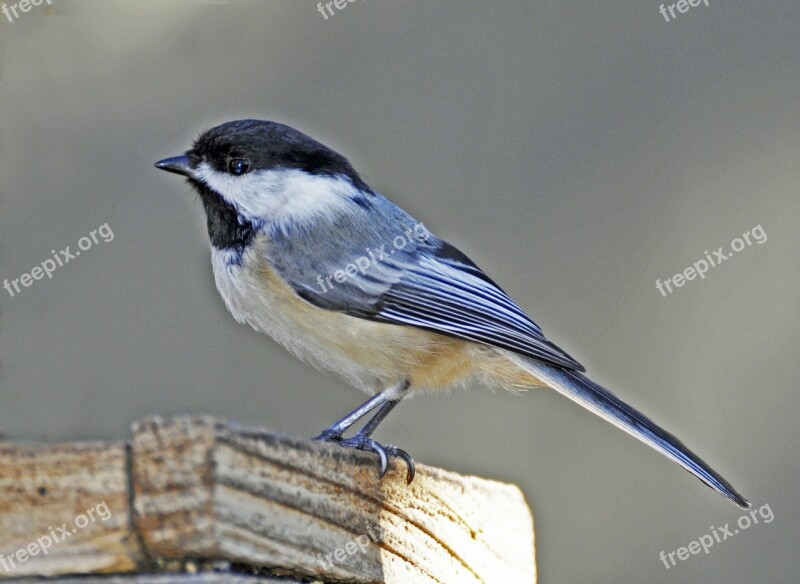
(177, 164)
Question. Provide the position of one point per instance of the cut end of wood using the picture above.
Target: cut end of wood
(189, 493)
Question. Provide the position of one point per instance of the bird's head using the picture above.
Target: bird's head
(255, 172)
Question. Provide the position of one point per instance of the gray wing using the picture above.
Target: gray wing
(427, 284)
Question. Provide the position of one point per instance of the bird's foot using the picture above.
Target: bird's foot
(367, 444)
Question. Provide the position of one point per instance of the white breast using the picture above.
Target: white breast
(327, 340)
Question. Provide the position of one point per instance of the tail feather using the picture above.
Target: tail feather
(605, 404)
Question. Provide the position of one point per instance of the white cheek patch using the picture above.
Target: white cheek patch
(280, 197)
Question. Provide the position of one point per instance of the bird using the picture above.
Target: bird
(305, 251)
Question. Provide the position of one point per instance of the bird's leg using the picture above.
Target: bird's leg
(334, 432)
(379, 417)
(385, 401)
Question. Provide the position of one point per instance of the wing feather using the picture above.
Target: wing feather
(427, 284)
(439, 296)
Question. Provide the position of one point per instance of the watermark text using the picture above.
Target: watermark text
(418, 233)
(59, 259)
(712, 260)
(56, 535)
(718, 534)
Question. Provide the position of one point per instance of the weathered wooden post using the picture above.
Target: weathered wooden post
(195, 499)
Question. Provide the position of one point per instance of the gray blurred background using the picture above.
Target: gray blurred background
(577, 152)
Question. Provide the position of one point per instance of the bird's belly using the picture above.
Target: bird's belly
(369, 355)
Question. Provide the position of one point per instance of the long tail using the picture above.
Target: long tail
(605, 404)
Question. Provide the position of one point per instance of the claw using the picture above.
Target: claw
(367, 444)
(412, 469)
(384, 458)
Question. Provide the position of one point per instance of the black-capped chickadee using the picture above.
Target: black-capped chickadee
(306, 252)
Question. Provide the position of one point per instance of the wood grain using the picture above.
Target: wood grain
(196, 493)
(47, 493)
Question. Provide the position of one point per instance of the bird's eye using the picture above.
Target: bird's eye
(238, 166)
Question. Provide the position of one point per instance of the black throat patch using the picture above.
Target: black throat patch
(227, 229)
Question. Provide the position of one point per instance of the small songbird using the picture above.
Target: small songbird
(306, 252)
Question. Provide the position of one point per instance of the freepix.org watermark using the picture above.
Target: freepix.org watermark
(327, 9)
(363, 263)
(59, 259)
(358, 545)
(56, 535)
(718, 534)
(682, 6)
(712, 260)
(23, 6)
